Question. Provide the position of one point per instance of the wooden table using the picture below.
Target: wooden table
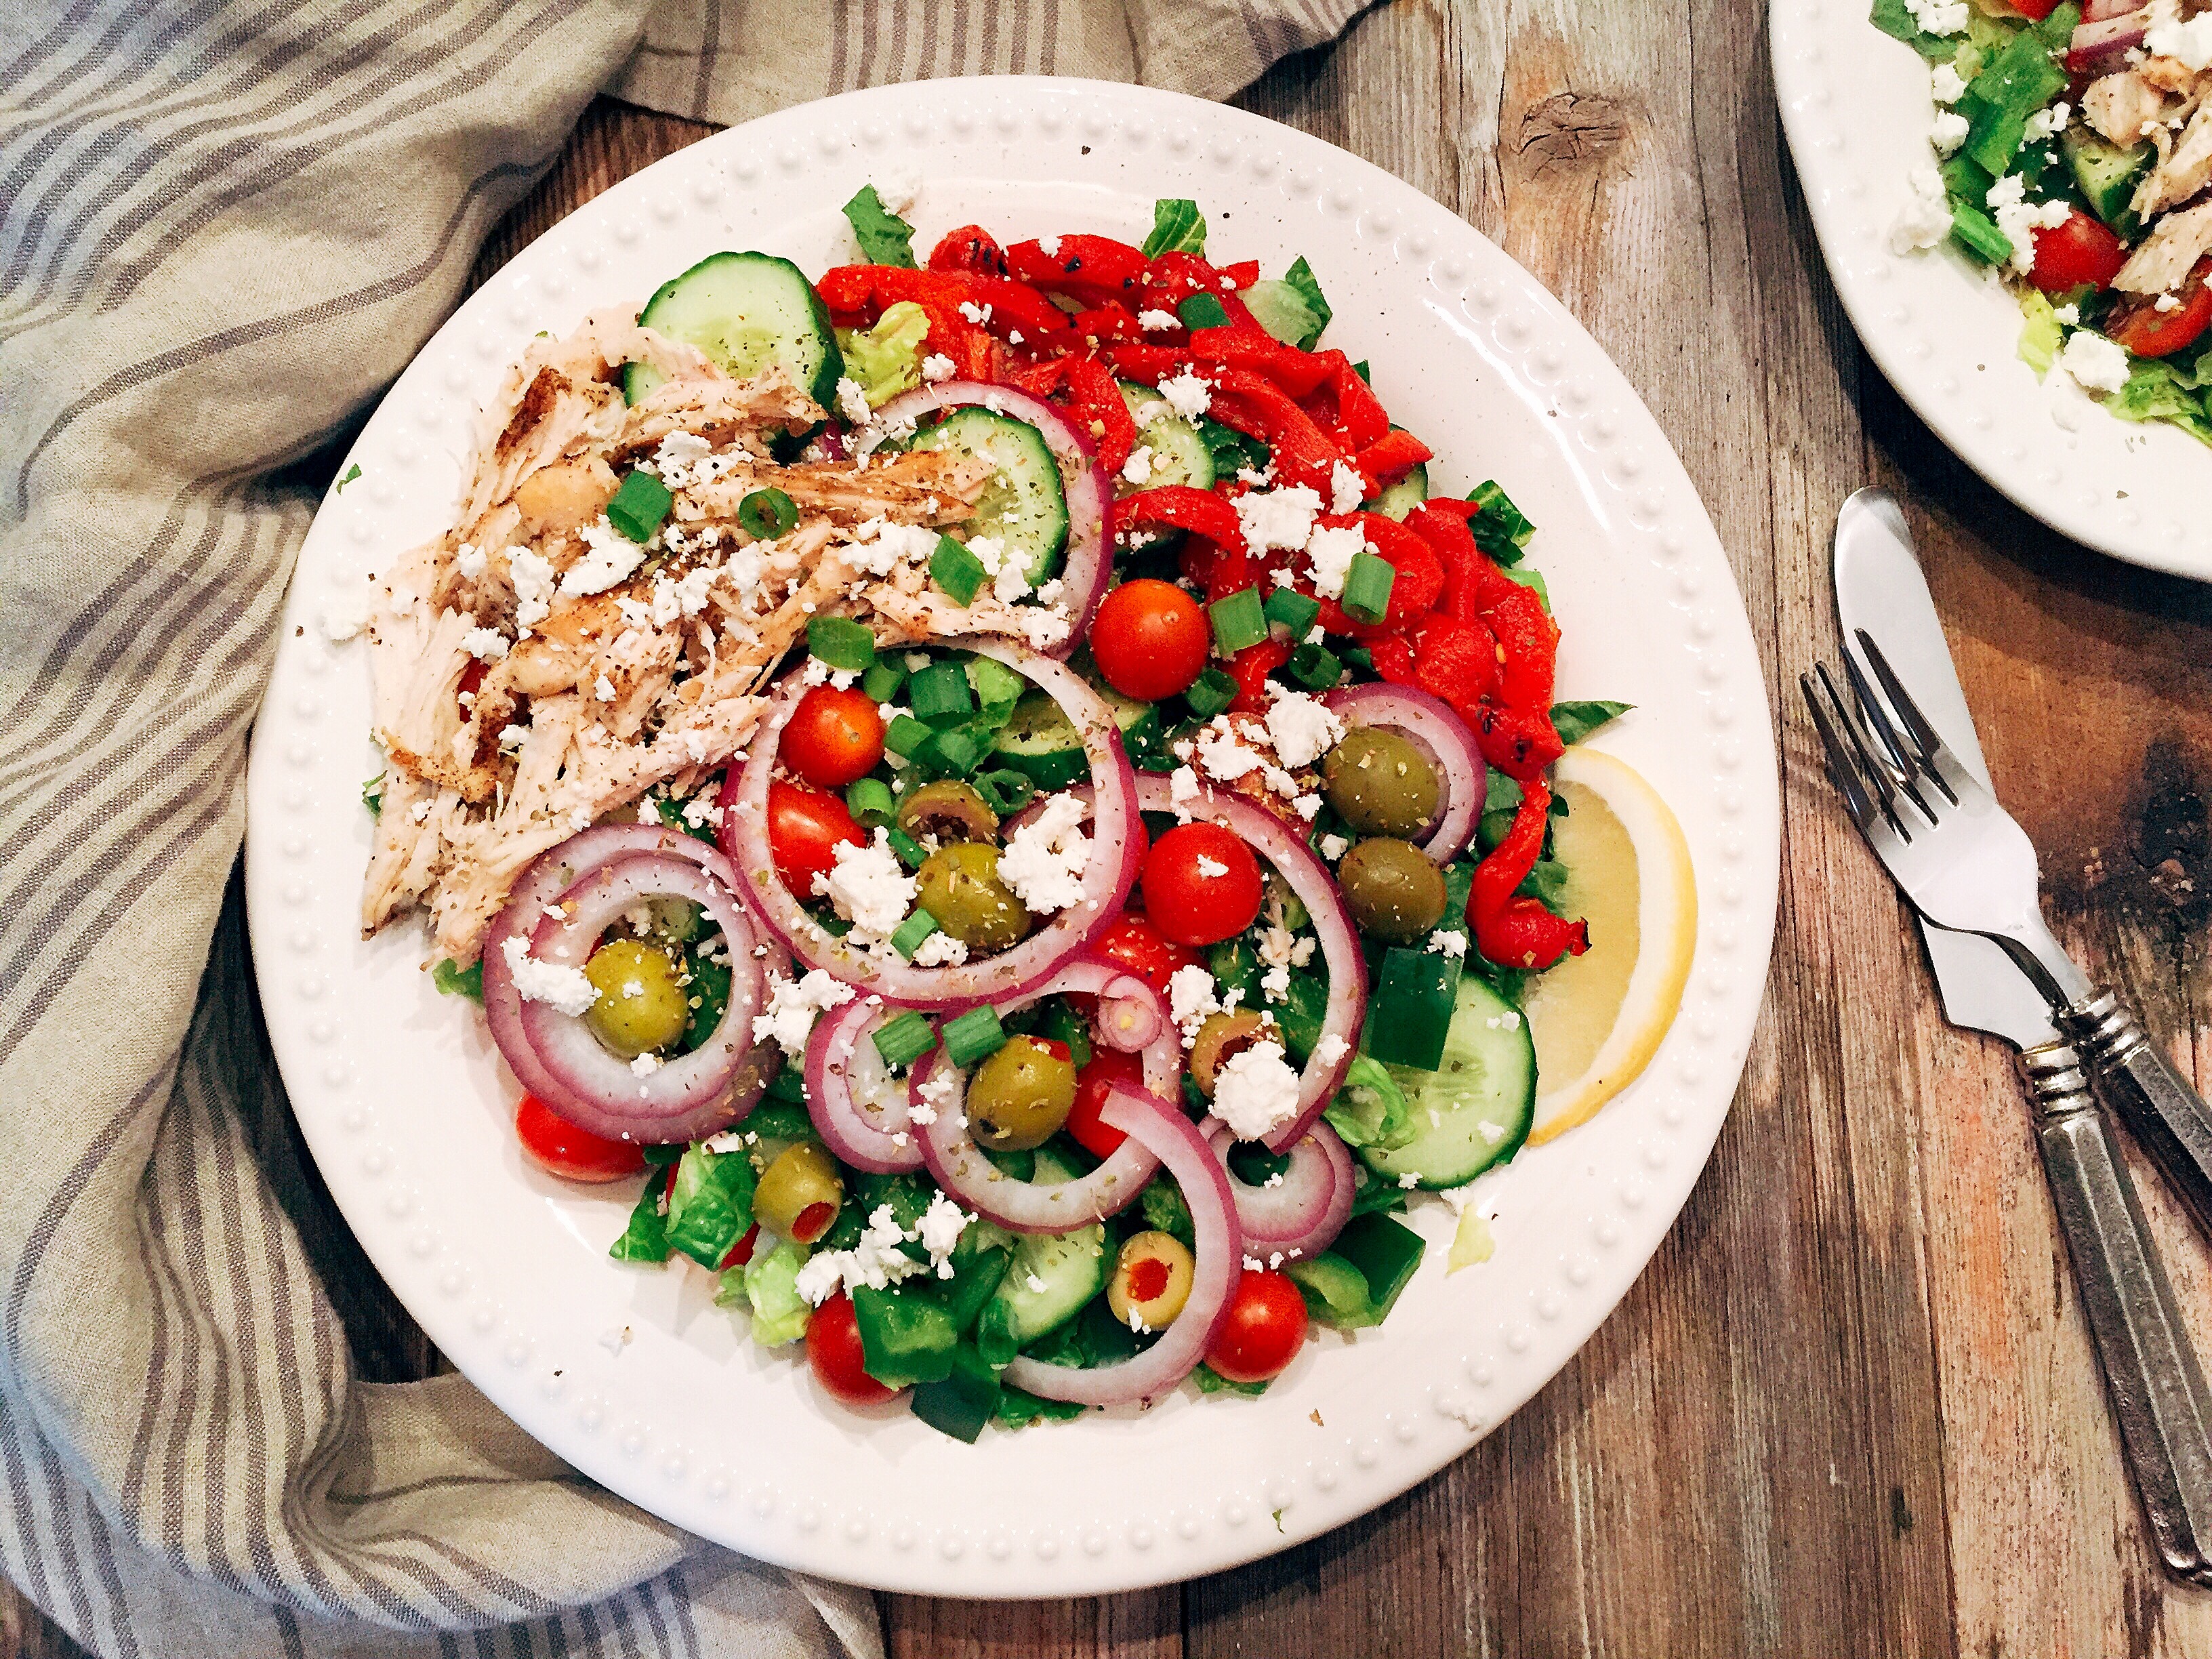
(1851, 1407)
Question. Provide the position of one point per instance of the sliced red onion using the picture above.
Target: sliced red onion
(858, 1104)
(2106, 43)
(1316, 889)
(1090, 567)
(1168, 1135)
(553, 872)
(1132, 1019)
(1107, 878)
(1304, 1212)
(2097, 11)
(1432, 724)
(680, 1099)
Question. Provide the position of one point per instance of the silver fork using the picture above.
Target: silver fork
(1966, 865)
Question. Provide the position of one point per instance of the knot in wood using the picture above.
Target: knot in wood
(1573, 129)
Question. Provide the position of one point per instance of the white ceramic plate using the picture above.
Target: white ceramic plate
(1856, 108)
(399, 1096)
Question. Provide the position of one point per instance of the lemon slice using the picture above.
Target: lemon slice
(1597, 1018)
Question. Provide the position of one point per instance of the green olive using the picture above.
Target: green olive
(1020, 1096)
(1393, 890)
(1152, 1281)
(641, 1003)
(799, 1193)
(960, 887)
(948, 810)
(1380, 783)
(1221, 1037)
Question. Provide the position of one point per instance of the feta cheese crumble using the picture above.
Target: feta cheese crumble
(869, 887)
(1278, 517)
(1346, 488)
(1947, 84)
(1925, 220)
(2019, 219)
(1947, 132)
(1191, 999)
(1187, 394)
(1332, 548)
(2095, 362)
(852, 401)
(1156, 322)
(937, 366)
(1044, 859)
(609, 557)
(2189, 42)
(1302, 730)
(565, 989)
(1939, 17)
(1255, 1091)
(788, 1020)
(534, 586)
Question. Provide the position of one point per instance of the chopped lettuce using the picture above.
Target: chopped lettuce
(886, 359)
(1577, 720)
(1167, 1211)
(1177, 227)
(1293, 308)
(454, 981)
(770, 1283)
(2041, 337)
(2156, 392)
(1471, 1244)
(1895, 19)
(884, 238)
(1370, 1110)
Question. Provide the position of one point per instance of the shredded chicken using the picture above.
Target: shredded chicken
(2185, 168)
(536, 672)
(2168, 253)
(2120, 106)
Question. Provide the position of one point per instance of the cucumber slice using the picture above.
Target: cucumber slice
(747, 312)
(1135, 720)
(2106, 174)
(1179, 453)
(1070, 1267)
(1403, 497)
(1482, 1094)
(1039, 740)
(1024, 505)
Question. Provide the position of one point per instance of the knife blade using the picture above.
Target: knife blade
(1879, 587)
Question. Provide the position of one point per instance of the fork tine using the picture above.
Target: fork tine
(1874, 717)
(1843, 772)
(1925, 738)
(1869, 768)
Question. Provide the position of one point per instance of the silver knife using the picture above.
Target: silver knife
(2157, 1388)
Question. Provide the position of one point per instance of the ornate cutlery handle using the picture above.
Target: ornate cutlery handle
(2151, 1374)
(2156, 1102)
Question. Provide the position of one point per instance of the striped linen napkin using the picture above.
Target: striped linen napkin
(226, 225)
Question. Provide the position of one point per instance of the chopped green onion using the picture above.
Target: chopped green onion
(1294, 609)
(911, 853)
(882, 681)
(1004, 790)
(454, 981)
(639, 504)
(1367, 585)
(940, 694)
(1202, 310)
(1315, 667)
(905, 735)
(841, 641)
(869, 800)
(956, 751)
(996, 684)
(766, 513)
(955, 570)
(903, 1041)
(1239, 621)
(973, 1036)
(1210, 693)
(907, 940)
(1501, 530)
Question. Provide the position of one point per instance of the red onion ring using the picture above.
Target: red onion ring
(856, 1103)
(553, 873)
(682, 1097)
(2099, 11)
(1085, 577)
(1301, 1216)
(1316, 889)
(1432, 724)
(1171, 1137)
(2095, 46)
(1106, 880)
(1131, 1019)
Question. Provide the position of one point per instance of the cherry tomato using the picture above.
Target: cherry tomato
(1144, 950)
(1201, 884)
(1108, 1066)
(742, 1251)
(833, 1349)
(803, 829)
(561, 1148)
(1266, 1325)
(2147, 332)
(834, 736)
(2080, 251)
(1149, 639)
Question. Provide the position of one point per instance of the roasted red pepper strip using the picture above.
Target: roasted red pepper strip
(1178, 507)
(1341, 401)
(1016, 307)
(1089, 270)
(971, 247)
(1454, 660)
(1512, 723)
(1171, 278)
(1302, 453)
(1084, 387)
(1520, 933)
(857, 295)
(1108, 325)
(1294, 372)
(1389, 458)
(1414, 591)
(1149, 364)
(1249, 668)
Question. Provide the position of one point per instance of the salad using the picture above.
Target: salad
(996, 795)
(2073, 147)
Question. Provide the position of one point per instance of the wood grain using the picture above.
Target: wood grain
(1851, 1408)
